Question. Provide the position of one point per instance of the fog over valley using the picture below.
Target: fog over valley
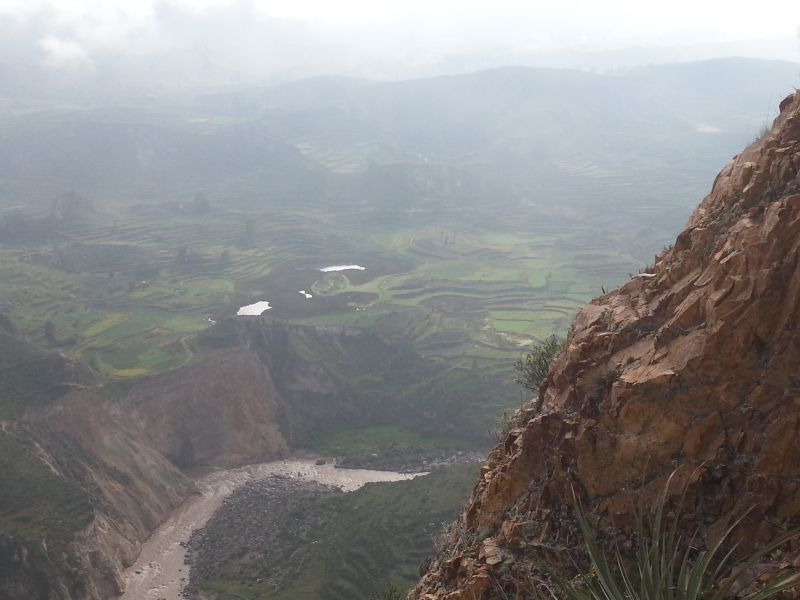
(382, 300)
(110, 49)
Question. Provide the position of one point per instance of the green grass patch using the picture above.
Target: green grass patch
(108, 322)
(30, 376)
(36, 503)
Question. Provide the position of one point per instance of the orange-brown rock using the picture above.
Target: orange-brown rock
(692, 367)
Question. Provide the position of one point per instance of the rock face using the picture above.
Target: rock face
(223, 413)
(691, 367)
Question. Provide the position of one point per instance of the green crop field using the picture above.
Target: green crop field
(128, 297)
(486, 209)
(126, 233)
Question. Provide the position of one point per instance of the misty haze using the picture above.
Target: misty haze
(429, 300)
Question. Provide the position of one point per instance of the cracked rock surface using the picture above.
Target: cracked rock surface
(692, 367)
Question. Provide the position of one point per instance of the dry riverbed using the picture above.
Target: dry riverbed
(160, 573)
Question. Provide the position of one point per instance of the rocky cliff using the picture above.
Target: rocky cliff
(693, 367)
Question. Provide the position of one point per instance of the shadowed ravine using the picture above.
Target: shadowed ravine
(160, 572)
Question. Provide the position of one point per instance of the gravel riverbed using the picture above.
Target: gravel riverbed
(160, 572)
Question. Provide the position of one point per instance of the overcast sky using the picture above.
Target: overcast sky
(261, 39)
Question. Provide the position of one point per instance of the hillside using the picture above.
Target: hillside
(88, 471)
(482, 211)
(486, 208)
(691, 367)
(31, 376)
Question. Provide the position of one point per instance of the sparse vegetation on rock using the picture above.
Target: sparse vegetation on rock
(690, 374)
(390, 593)
(534, 366)
(661, 564)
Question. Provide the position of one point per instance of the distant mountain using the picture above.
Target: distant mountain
(512, 134)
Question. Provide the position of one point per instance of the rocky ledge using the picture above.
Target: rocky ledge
(692, 367)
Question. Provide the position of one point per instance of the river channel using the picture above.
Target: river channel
(160, 573)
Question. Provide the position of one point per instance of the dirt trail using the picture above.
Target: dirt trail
(160, 574)
(187, 349)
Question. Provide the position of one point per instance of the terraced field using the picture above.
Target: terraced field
(145, 276)
(481, 295)
(480, 230)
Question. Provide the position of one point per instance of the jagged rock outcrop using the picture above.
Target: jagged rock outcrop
(691, 367)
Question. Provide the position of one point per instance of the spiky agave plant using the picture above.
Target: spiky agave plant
(665, 566)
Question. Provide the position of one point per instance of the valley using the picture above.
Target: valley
(161, 570)
(200, 281)
(126, 296)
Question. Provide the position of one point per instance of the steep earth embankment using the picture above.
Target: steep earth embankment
(223, 412)
(82, 490)
(79, 485)
(86, 477)
(692, 366)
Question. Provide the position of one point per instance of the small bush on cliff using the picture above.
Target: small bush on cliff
(665, 566)
(452, 539)
(533, 368)
(503, 427)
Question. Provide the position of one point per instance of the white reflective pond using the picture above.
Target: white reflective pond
(254, 309)
(342, 268)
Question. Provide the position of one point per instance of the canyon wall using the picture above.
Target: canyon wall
(111, 464)
(691, 368)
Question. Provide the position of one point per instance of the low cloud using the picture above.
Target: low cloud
(177, 42)
(58, 53)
